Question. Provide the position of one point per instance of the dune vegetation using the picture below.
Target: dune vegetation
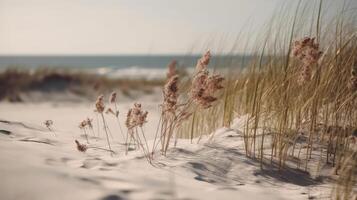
(296, 101)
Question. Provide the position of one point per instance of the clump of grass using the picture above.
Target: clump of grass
(176, 110)
(310, 123)
(172, 112)
(299, 104)
(136, 118)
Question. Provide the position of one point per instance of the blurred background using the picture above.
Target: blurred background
(59, 43)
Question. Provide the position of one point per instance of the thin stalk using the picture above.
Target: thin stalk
(106, 132)
(156, 135)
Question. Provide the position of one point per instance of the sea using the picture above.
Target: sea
(128, 66)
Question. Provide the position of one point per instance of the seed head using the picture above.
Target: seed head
(203, 61)
(128, 119)
(83, 124)
(99, 104)
(113, 97)
(48, 123)
(214, 83)
(171, 94)
(306, 50)
(136, 117)
(81, 147)
(204, 86)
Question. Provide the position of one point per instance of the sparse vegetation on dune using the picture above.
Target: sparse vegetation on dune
(16, 81)
(297, 99)
(175, 110)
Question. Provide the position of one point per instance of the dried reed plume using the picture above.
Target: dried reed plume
(99, 104)
(48, 124)
(204, 85)
(100, 107)
(113, 97)
(170, 94)
(81, 147)
(136, 117)
(83, 124)
(307, 51)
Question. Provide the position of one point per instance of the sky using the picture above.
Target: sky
(127, 26)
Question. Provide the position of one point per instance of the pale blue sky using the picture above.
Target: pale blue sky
(127, 26)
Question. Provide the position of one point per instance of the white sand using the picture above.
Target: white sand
(38, 164)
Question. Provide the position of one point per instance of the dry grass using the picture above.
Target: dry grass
(314, 105)
(298, 96)
(345, 188)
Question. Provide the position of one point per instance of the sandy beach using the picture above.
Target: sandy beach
(40, 164)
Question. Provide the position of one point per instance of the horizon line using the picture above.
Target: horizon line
(124, 54)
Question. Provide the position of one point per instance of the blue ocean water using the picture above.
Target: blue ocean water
(116, 62)
(129, 66)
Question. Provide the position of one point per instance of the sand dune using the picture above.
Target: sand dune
(40, 164)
